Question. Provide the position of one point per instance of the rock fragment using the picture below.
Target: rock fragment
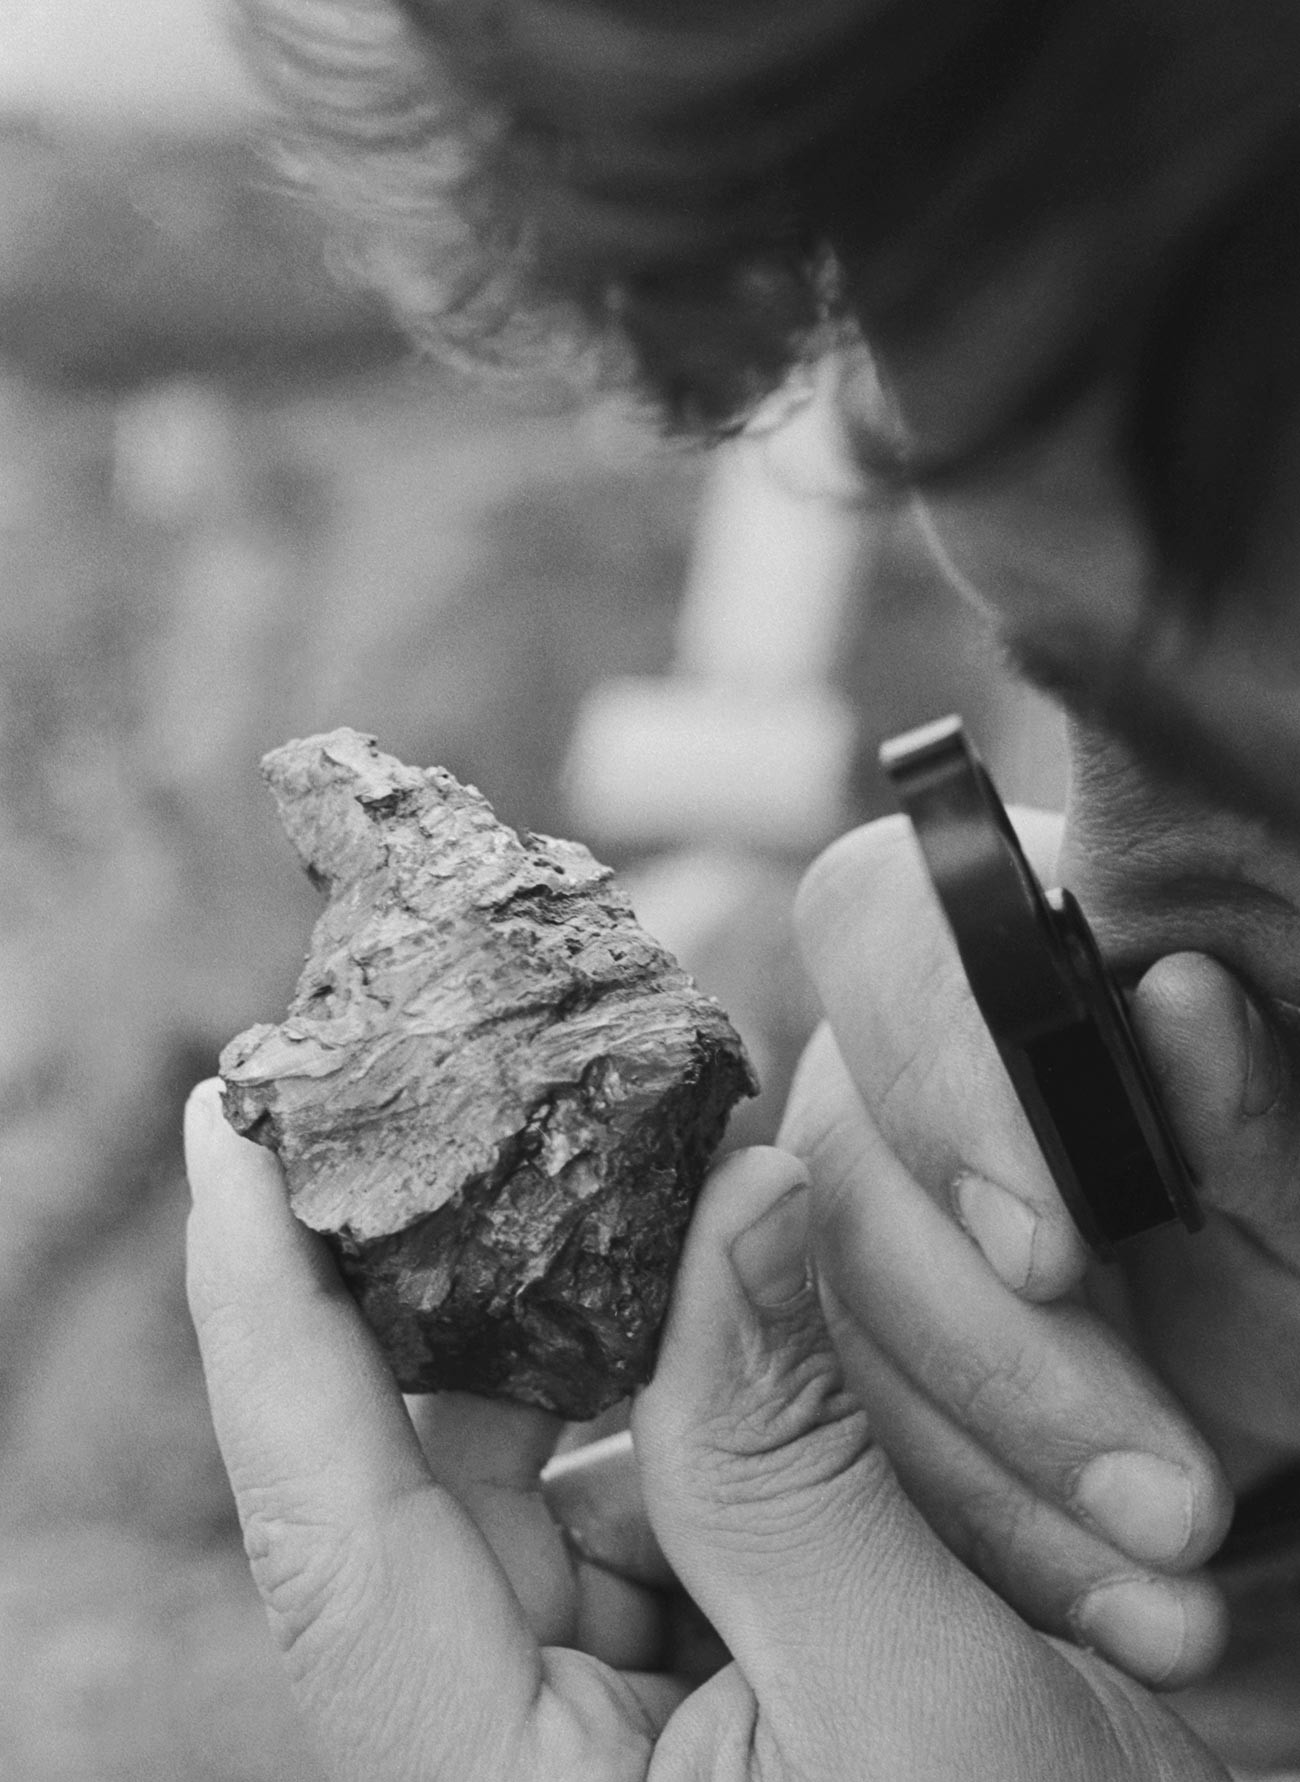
(494, 1094)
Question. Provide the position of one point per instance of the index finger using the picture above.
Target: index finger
(371, 1573)
(886, 968)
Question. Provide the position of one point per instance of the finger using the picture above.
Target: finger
(1063, 1578)
(489, 1455)
(367, 1567)
(1045, 1395)
(890, 980)
(1048, 1388)
(593, 1497)
(866, 1644)
(594, 1493)
(1219, 1313)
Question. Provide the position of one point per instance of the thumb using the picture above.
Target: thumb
(845, 1616)
(758, 1468)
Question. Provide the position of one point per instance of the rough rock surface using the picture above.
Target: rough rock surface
(493, 1093)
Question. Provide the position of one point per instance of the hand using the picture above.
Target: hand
(1166, 877)
(434, 1626)
(1036, 1406)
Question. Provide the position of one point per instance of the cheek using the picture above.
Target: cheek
(1033, 556)
(1044, 533)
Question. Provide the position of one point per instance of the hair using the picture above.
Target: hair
(700, 195)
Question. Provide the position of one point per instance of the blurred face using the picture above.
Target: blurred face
(1050, 545)
(1054, 552)
(1185, 818)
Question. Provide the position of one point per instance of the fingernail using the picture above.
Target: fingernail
(771, 1255)
(1137, 1622)
(1143, 1504)
(1001, 1224)
(1263, 1063)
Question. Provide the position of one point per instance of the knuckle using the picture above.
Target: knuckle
(789, 1429)
(314, 1577)
(999, 1526)
(987, 1392)
(950, 1077)
(914, 1085)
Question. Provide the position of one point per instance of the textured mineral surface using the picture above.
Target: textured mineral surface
(494, 1094)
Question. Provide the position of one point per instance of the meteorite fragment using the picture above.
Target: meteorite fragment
(494, 1094)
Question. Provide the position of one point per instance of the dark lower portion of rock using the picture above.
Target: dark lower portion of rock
(549, 1286)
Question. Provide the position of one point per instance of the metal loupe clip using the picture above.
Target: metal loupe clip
(1053, 1008)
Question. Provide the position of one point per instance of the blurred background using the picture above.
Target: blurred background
(233, 509)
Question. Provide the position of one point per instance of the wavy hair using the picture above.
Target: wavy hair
(698, 194)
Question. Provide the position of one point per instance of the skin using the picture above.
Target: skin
(944, 1489)
(930, 1448)
(435, 1626)
(1075, 1433)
